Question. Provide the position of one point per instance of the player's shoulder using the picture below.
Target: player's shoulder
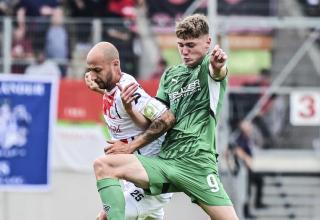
(173, 71)
(176, 68)
(126, 79)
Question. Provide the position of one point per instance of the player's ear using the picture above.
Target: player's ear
(209, 41)
(115, 62)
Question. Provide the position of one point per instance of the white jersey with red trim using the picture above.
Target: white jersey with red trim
(120, 125)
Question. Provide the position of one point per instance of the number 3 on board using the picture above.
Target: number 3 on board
(305, 108)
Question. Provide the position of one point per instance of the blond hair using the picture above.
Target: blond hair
(192, 27)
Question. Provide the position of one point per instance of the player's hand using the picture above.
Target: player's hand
(127, 95)
(117, 147)
(218, 58)
(90, 83)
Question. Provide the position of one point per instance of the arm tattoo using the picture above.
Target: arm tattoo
(159, 127)
(156, 129)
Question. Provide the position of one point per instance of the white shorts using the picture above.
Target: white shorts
(139, 206)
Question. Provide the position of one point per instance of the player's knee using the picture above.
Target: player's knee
(101, 167)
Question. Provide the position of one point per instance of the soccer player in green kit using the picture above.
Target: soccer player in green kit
(193, 91)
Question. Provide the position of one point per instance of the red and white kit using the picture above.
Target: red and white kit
(121, 127)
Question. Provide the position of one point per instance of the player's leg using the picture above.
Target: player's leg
(220, 212)
(108, 170)
(197, 176)
(139, 205)
(132, 195)
(131, 210)
(121, 166)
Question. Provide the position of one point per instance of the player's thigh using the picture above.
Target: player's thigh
(220, 212)
(124, 166)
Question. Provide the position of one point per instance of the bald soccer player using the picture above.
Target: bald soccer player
(126, 118)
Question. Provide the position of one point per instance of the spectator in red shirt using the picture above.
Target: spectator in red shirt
(21, 49)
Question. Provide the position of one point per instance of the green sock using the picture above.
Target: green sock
(112, 198)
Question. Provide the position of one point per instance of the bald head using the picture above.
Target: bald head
(103, 65)
(106, 49)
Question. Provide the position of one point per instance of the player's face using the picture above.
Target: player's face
(101, 72)
(193, 50)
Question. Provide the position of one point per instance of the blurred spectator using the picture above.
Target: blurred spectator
(38, 7)
(102, 8)
(21, 49)
(21, 45)
(121, 8)
(160, 68)
(166, 11)
(246, 7)
(312, 8)
(243, 103)
(77, 66)
(43, 66)
(87, 8)
(57, 39)
(243, 149)
(263, 81)
(5, 8)
(123, 38)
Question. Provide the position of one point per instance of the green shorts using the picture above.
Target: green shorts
(194, 175)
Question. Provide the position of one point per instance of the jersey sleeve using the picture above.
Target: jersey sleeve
(153, 109)
(148, 106)
(144, 103)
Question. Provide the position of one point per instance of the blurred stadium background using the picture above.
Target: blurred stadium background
(273, 95)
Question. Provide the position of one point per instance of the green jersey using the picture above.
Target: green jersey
(195, 99)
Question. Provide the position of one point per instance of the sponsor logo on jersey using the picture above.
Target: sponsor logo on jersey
(185, 91)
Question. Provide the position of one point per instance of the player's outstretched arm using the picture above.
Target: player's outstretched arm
(92, 84)
(217, 66)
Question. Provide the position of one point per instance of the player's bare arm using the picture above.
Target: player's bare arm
(157, 128)
(217, 66)
(92, 84)
(127, 97)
